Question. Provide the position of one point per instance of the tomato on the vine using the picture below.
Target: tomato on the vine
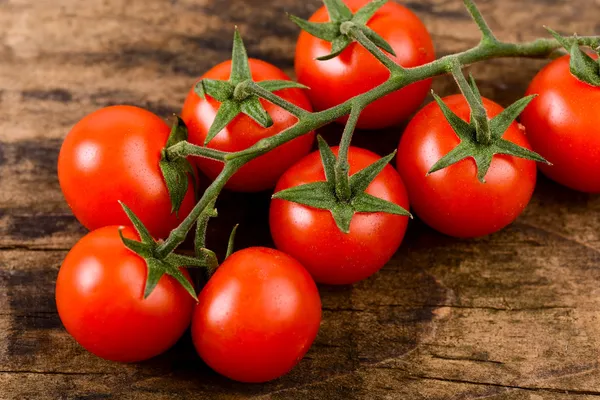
(356, 70)
(113, 154)
(257, 315)
(312, 237)
(563, 125)
(100, 300)
(452, 200)
(242, 132)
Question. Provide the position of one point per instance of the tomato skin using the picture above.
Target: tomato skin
(257, 316)
(452, 200)
(99, 296)
(311, 236)
(113, 154)
(356, 71)
(261, 173)
(563, 125)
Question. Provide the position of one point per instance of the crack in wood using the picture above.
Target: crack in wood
(499, 385)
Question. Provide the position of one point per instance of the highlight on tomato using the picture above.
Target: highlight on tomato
(257, 316)
(563, 123)
(336, 68)
(467, 165)
(220, 117)
(114, 154)
(100, 297)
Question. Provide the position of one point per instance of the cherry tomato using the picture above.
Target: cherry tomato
(563, 125)
(452, 200)
(257, 316)
(99, 296)
(311, 236)
(356, 71)
(113, 154)
(261, 173)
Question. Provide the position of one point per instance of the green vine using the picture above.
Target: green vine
(240, 94)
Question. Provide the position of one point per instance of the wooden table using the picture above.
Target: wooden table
(515, 315)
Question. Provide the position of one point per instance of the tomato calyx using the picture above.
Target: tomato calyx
(582, 66)
(238, 94)
(326, 195)
(176, 171)
(338, 30)
(481, 138)
(170, 265)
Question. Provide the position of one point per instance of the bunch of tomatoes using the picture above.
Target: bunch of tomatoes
(259, 313)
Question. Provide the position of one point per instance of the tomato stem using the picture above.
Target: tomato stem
(488, 48)
(184, 149)
(342, 167)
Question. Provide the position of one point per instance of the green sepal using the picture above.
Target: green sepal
(322, 194)
(319, 195)
(240, 67)
(378, 40)
(363, 15)
(275, 85)
(581, 65)
(235, 95)
(331, 31)
(170, 265)
(227, 112)
(142, 249)
(231, 242)
(218, 90)
(363, 178)
(176, 172)
(337, 10)
(367, 203)
(252, 108)
(142, 231)
(322, 30)
(338, 45)
(342, 214)
(328, 159)
(502, 121)
(483, 153)
(157, 268)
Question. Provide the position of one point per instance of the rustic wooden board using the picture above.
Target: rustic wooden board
(515, 315)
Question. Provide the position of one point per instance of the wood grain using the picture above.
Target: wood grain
(515, 315)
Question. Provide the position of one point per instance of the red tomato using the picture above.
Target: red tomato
(356, 71)
(261, 173)
(99, 296)
(311, 236)
(563, 125)
(452, 200)
(257, 316)
(113, 154)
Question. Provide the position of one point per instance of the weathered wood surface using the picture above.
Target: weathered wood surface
(512, 316)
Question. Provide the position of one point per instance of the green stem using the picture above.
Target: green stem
(185, 149)
(485, 50)
(488, 35)
(479, 116)
(342, 167)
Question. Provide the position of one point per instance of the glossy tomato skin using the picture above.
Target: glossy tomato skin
(356, 71)
(113, 154)
(257, 316)
(563, 125)
(99, 296)
(452, 200)
(261, 173)
(311, 236)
